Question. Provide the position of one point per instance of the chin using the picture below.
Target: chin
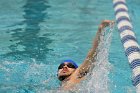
(65, 74)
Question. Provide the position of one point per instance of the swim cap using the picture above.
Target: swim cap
(70, 61)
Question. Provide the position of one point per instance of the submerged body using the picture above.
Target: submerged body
(70, 74)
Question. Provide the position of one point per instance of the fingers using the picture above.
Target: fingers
(106, 23)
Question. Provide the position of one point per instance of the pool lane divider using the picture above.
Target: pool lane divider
(128, 39)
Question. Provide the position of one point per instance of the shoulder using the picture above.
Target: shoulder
(73, 81)
(77, 76)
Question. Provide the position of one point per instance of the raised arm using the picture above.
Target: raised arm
(89, 61)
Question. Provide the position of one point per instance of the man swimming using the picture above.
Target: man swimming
(68, 71)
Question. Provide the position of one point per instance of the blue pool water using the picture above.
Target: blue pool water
(36, 35)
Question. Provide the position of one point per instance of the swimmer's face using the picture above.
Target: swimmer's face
(66, 69)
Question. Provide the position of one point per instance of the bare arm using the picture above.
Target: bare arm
(89, 62)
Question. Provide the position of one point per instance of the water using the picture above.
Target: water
(36, 35)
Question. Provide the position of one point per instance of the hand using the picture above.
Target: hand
(106, 23)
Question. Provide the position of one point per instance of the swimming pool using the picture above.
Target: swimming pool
(36, 35)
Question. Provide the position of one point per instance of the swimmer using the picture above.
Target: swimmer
(68, 71)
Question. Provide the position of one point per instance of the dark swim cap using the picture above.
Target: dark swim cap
(70, 61)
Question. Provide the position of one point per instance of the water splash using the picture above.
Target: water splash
(26, 77)
(30, 77)
(97, 81)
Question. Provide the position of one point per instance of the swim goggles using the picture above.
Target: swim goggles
(70, 65)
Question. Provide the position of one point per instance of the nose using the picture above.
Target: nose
(65, 66)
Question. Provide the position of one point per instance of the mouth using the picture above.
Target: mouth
(65, 70)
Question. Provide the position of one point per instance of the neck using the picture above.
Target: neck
(64, 81)
(64, 78)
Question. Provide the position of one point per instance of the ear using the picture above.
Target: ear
(57, 72)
